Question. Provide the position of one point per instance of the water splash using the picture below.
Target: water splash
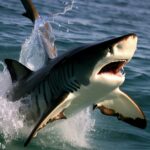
(39, 46)
(11, 122)
(76, 129)
(68, 7)
(72, 132)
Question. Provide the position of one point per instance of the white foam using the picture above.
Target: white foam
(34, 53)
(76, 129)
(10, 120)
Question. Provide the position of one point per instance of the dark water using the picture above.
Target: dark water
(87, 21)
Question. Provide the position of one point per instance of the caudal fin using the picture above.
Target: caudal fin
(31, 11)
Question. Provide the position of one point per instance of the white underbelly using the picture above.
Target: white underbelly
(86, 96)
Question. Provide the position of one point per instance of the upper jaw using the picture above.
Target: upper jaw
(125, 48)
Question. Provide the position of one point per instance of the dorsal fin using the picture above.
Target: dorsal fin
(17, 70)
(31, 11)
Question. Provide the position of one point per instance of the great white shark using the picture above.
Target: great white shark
(89, 75)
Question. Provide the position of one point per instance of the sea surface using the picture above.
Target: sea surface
(75, 22)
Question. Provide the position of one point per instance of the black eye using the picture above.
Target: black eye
(119, 46)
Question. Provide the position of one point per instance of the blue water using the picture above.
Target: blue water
(83, 22)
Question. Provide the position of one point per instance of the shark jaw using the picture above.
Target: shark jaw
(112, 74)
(110, 71)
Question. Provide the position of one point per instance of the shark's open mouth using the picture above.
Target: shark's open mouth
(115, 68)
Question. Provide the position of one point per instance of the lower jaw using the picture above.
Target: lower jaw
(118, 74)
(112, 79)
(115, 74)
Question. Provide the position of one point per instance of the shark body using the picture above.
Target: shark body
(86, 76)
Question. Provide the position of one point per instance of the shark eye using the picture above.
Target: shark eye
(119, 46)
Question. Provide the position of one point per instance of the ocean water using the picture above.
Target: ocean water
(75, 22)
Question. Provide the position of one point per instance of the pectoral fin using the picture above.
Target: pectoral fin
(123, 107)
(50, 115)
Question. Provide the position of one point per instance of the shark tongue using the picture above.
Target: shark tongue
(113, 68)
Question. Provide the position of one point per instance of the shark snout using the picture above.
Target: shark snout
(126, 46)
(110, 73)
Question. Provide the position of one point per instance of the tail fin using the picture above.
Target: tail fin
(31, 11)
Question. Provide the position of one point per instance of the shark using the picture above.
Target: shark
(89, 75)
